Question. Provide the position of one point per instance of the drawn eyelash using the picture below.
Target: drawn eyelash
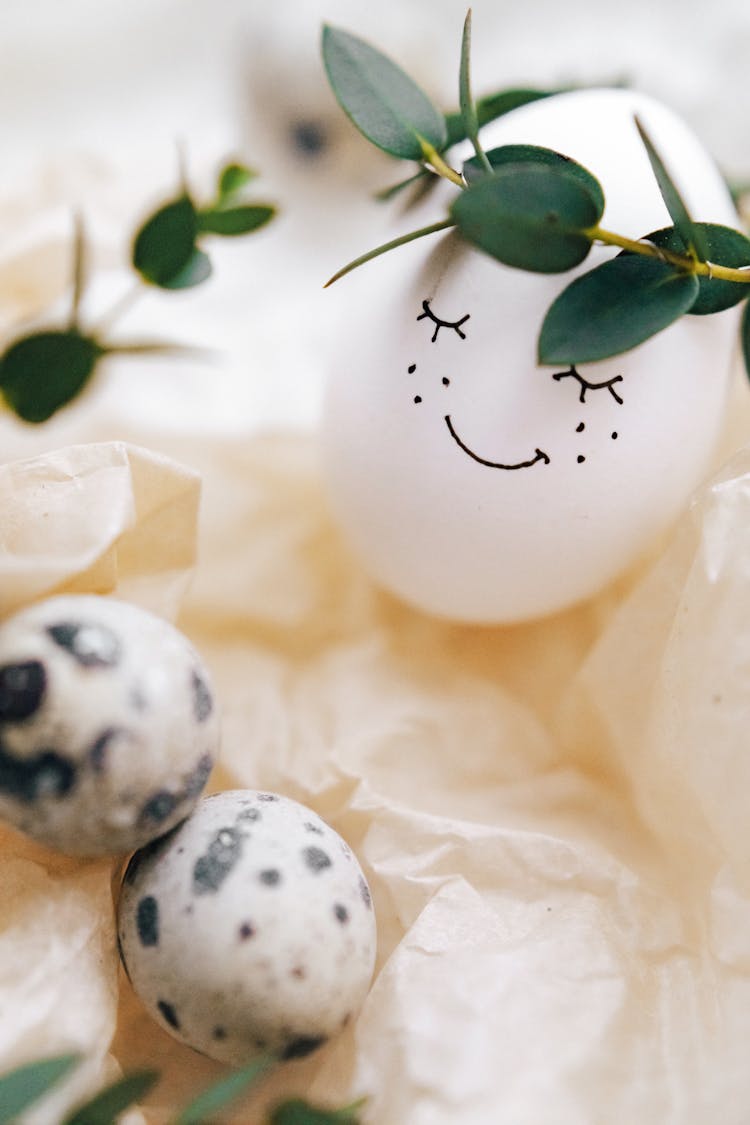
(454, 324)
(585, 385)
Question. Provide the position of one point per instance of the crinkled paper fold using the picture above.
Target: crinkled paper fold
(552, 817)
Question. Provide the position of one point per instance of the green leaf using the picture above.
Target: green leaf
(381, 100)
(234, 220)
(491, 107)
(530, 216)
(299, 1112)
(42, 372)
(614, 308)
(165, 244)
(466, 101)
(745, 338)
(396, 242)
(23, 1086)
(726, 247)
(197, 269)
(108, 1104)
(534, 154)
(232, 179)
(689, 231)
(223, 1092)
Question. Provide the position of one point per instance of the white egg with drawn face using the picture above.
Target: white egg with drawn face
(476, 484)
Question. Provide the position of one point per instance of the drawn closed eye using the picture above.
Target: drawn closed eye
(585, 385)
(439, 323)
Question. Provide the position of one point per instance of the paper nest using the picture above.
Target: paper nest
(553, 818)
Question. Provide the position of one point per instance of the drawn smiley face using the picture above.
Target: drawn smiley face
(539, 456)
(471, 481)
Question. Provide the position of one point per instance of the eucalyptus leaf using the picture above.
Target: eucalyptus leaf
(299, 1112)
(492, 106)
(165, 244)
(466, 101)
(725, 247)
(613, 308)
(224, 1091)
(745, 338)
(232, 179)
(530, 216)
(42, 372)
(535, 154)
(689, 231)
(196, 270)
(106, 1107)
(23, 1086)
(234, 220)
(380, 99)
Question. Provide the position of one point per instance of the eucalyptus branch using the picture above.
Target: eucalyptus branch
(684, 262)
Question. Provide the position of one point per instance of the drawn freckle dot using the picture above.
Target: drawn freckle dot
(412, 368)
(417, 398)
(446, 382)
(614, 435)
(580, 458)
(580, 427)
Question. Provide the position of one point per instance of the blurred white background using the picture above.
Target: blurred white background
(94, 97)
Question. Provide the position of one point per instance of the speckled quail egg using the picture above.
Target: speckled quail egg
(473, 482)
(250, 927)
(108, 728)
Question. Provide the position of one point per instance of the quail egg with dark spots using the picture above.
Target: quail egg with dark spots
(249, 928)
(108, 727)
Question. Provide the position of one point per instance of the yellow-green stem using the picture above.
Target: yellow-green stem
(435, 160)
(680, 261)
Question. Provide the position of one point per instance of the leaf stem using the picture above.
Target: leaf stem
(123, 305)
(680, 261)
(466, 101)
(435, 160)
(79, 268)
(389, 246)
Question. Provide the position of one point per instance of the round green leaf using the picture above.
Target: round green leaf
(724, 247)
(745, 338)
(613, 308)
(197, 270)
(107, 1106)
(234, 220)
(26, 1084)
(380, 99)
(530, 216)
(534, 154)
(42, 372)
(233, 178)
(165, 243)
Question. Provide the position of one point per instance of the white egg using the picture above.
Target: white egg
(476, 484)
(108, 728)
(249, 928)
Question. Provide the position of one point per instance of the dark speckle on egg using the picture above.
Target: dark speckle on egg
(267, 797)
(203, 703)
(159, 807)
(246, 931)
(341, 913)
(147, 921)
(100, 746)
(93, 646)
(219, 1033)
(22, 689)
(249, 815)
(364, 890)
(170, 1015)
(302, 1046)
(46, 774)
(316, 859)
(212, 868)
(270, 877)
(310, 827)
(198, 778)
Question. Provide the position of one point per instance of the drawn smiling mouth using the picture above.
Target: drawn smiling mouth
(539, 455)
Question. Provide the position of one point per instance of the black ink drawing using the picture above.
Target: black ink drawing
(538, 454)
(454, 324)
(585, 385)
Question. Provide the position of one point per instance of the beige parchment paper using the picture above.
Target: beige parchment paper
(552, 816)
